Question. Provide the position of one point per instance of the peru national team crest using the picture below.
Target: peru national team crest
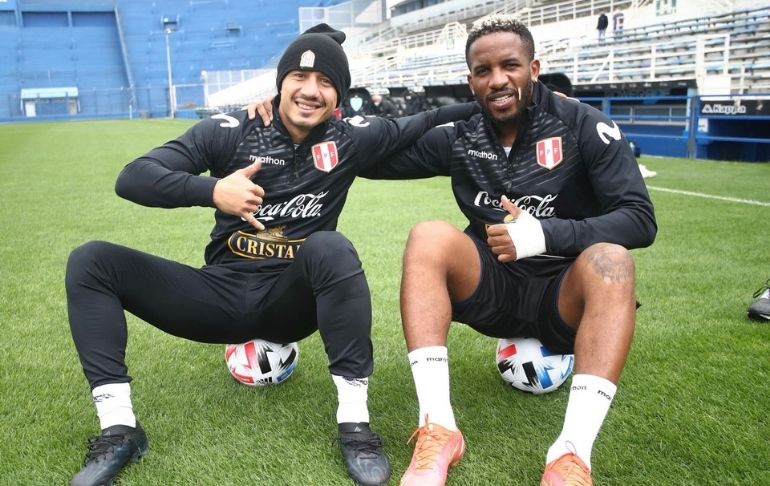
(325, 156)
(549, 153)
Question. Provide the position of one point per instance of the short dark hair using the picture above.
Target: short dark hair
(500, 23)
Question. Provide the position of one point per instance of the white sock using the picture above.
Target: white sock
(430, 369)
(352, 394)
(113, 405)
(589, 400)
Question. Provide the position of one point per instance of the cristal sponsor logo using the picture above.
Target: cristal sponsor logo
(482, 155)
(300, 206)
(266, 159)
(720, 109)
(270, 243)
(537, 206)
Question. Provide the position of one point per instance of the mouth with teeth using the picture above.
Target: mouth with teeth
(306, 106)
(504, 99)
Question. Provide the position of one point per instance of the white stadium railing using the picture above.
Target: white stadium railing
(710, 41)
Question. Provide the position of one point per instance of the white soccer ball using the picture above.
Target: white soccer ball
(525, 364)
(259, 363)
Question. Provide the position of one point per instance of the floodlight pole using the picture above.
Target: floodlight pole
(171, 100)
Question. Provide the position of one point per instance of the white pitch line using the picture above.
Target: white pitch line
(711, 196)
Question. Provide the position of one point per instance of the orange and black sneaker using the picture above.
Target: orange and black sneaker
(567, 470)
(436, 451)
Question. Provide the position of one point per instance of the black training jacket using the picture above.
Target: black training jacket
(570, 167)
(305, 185)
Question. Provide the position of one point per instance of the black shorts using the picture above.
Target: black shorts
(518, 299)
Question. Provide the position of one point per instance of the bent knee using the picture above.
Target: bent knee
(610, 262)
(87, 254)
(323, 243)
(83, 259)
(329, 249)
(432, 235)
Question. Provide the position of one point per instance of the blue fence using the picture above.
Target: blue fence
(731, 127)
(722, 128)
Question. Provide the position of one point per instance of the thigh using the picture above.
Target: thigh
(517, 299)
(205, 305)
(288, 311)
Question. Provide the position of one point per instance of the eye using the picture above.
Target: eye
(326, 82)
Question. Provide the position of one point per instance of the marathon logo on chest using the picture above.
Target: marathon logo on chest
(270, 243)
(325, 156)
(549, 153)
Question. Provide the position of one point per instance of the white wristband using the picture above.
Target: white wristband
(527, 235)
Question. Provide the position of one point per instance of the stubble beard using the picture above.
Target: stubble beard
(515, 118)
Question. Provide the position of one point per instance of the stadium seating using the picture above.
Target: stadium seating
(115, 53)
(733, 43)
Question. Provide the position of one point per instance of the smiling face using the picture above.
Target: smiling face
(502, 76)
(308, 99)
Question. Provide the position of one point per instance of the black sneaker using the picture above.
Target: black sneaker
(362, 451)
(760, 309)
(118, 446)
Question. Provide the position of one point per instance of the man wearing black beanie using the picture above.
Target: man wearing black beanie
(276, 268)
(318, 49)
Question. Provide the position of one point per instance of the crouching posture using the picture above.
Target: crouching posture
(554, 200)
(276, 268)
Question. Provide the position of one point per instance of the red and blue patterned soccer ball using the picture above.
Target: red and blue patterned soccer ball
(260, 363)
(527, 365)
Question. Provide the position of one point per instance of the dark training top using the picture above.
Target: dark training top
(305, 185)
(570, 167)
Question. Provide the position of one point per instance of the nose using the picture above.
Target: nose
(498, 79)
(310, 87)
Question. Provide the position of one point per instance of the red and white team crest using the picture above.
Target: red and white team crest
(325, 156)
(549, 153)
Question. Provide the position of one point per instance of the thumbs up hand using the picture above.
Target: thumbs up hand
(237, 195)
(498, 238)
(520, 236)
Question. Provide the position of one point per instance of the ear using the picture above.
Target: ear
(468, 78)
(534, 69)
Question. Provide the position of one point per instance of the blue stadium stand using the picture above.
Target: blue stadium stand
(114, 52)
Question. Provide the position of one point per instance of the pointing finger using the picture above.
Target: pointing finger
(253, 221)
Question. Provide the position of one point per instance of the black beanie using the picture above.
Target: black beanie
(318, 49)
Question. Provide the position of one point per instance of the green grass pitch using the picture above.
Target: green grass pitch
(692, 406)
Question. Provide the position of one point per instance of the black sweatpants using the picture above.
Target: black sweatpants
(324, 288)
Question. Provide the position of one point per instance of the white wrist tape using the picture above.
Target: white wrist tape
(527, 235)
